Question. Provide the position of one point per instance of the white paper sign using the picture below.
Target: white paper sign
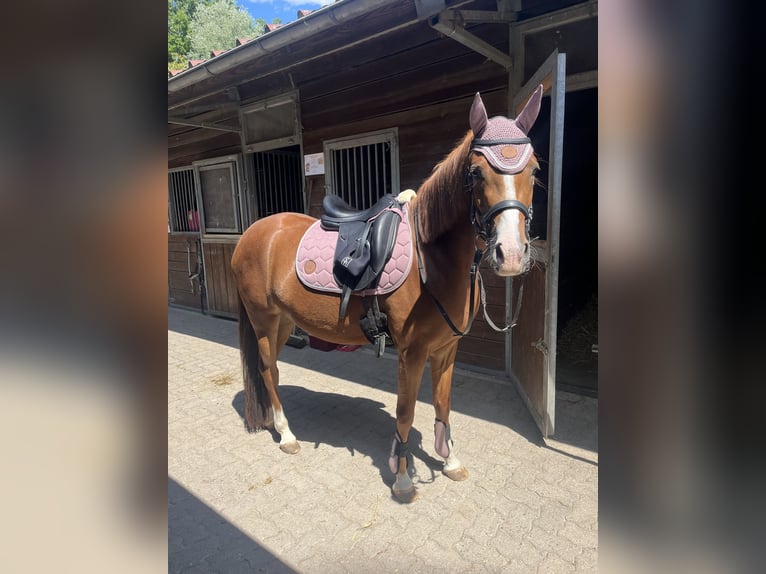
(313, 164)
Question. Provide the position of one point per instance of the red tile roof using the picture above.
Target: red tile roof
(239, 42)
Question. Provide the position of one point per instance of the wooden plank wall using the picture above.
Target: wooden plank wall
(182, 256)
(221, 287)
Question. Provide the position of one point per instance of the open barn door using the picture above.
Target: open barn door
(532, 342)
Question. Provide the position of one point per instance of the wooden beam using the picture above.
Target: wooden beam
(448, 24)
(207, 125)
(193, 111)
(559, 18)
(484, 16)
(582, 81)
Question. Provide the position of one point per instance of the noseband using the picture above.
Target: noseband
(484, 223)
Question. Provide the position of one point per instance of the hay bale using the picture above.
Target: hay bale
(579, 335)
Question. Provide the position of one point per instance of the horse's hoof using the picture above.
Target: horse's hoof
(457, 474)
(403, 489)
(290, 447)
(406, 495)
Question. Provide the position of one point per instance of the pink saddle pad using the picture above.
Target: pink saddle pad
(314, 259)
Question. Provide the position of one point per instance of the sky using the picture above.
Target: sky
(287, 10)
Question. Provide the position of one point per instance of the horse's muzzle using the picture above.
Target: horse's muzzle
(508, 262)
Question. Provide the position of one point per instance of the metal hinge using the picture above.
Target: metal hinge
(541, 346)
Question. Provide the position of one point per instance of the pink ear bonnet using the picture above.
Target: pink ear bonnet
(503, 142)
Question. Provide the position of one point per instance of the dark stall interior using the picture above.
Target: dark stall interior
(577, 333)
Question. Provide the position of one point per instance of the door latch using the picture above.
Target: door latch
(541, 346)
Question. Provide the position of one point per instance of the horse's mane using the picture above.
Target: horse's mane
(442, 198)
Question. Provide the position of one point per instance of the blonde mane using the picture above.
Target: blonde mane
(442, 198)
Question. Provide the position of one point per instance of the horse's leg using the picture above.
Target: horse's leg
(442, 364)
(287, 441)
(262, 337)
(412, 362)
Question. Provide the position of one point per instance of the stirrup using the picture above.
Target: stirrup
(380, 345)
(374, 325)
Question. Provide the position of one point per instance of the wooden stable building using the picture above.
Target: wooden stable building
(364, 97)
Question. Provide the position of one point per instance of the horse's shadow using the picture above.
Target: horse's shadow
(356, 424)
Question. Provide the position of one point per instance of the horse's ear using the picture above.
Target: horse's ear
(528, 115)
(478, 116)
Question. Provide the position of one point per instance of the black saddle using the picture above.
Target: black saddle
(365, 243)
(337, 211)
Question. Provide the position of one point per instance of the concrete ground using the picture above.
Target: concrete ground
(239, 504)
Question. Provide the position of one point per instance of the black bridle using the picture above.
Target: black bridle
(484, 223)
(484, 227)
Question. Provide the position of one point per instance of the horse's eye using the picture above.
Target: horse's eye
(475, 172)
(534, 171)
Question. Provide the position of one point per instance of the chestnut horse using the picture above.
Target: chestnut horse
(479, 194)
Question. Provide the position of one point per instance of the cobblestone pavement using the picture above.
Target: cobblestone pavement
(239, 504)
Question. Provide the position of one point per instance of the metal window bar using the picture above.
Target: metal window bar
(362, 174)
(282, 176)
(358, 191)
(377, 166)
(386, 152)
(370, 183)
(277, 182)
(182, 201)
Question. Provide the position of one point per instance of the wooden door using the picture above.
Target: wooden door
(219, 182)
(532, 342)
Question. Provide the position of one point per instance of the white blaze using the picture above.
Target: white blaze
(508, 223)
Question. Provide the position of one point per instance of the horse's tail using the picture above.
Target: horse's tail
(257, 401)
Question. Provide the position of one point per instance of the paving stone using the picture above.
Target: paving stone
(239, 504)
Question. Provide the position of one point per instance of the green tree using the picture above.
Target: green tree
(180, 14)
(217, 25)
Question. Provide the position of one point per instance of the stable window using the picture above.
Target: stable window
(183, 214)
(270, 123)
(218, 195)
(361, 169)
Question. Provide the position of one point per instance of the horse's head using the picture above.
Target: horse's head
(501, 177)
